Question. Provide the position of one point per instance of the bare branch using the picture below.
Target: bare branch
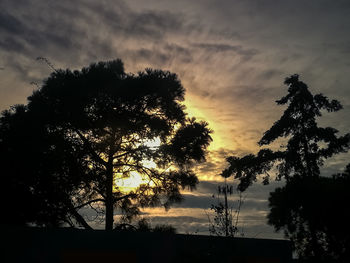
(47, 63)
(89, 202)
(78, 216)
(123, 197)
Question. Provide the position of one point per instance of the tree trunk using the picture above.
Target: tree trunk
(81, 221)
(226, 212)
(109, 195)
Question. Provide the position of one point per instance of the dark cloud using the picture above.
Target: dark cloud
(37, 32)
(193, 201)
(207, 187)
(252, 227)
(10, 24)
(205, 202)
(76, 36)
(272, 73)
(150, 55)
(184, 54)
(154, 24)
(11, 44)
(237, 49)
(63, 22)
(232, 57)
(251, 222)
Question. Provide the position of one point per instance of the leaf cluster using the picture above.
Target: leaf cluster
(317, 223)
(84, 129)
(308, 144)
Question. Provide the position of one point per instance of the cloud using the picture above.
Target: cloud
(74, 36)
(192, 214)
(231, 56)
(101, 28)
(215, 163)
(161, 55)
(205, 201)
(237, 49)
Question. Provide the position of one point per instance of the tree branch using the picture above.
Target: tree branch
(87, 144)
(123, 197)
(78, 216)
(89, 202)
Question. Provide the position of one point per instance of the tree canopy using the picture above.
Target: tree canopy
(307, 147)
(84, 130)
(307, 207)
(317, 223)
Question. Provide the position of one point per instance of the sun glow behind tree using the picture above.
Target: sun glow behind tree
(134, 179)
(123, 140)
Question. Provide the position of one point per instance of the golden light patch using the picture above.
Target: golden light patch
(130, 183)
(153, 143)
(200, 114)
(134, 180)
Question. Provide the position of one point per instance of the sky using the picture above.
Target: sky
(231, 56)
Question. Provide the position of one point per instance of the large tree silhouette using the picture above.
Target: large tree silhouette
(100, 121)
(39, 173)
(317, 223)
(305, 147)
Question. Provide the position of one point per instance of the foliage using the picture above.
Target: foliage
(317, 223)
(296, 208)
(143, 225)
(225, 221)
(248, 167)
(223, 225)
(308, 144)
(91, 127)
(31, 157)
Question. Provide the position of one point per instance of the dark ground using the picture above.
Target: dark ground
(72, 245)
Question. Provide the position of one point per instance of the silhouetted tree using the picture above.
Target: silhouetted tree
(100, 122)
(143, 225)
(317, 223)
(307, 146)
(31, 158)
(225, 221)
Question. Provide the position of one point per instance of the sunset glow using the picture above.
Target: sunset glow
(231, 56)
(134, 180)
(130, 183)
